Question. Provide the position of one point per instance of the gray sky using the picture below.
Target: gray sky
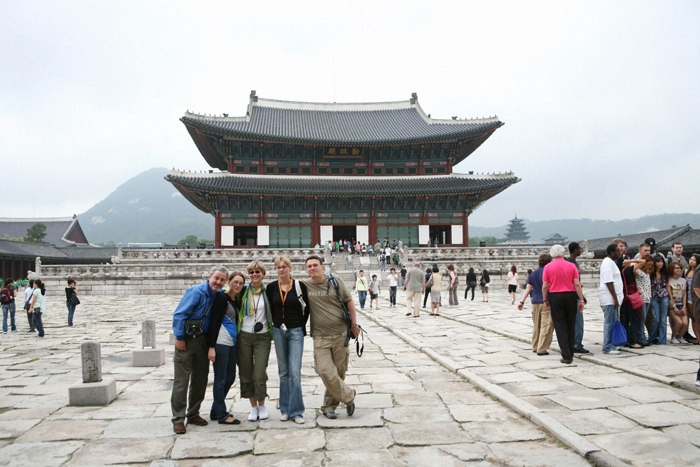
(600, 99)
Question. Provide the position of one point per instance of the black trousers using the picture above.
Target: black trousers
(563, 306)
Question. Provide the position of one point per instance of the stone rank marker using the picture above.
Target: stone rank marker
(93, 390)
(149, 355)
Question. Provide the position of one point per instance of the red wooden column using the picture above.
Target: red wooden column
(465, 229)
(315, 227)
(217, 232)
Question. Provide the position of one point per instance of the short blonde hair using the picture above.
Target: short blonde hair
(285, 260)
(255, 264)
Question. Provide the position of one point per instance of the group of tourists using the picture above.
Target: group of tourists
(235, 328)
(34, 304)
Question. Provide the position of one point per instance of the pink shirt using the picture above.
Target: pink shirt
(560, 274)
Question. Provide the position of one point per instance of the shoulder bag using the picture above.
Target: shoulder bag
(74, 300)
(195, 327)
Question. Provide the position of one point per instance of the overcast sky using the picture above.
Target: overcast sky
(600, 99)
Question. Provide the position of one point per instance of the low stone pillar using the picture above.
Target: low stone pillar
(149, 355)
(93, 390)
(171, 338)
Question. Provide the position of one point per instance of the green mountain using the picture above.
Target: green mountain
(145, 208)
(584, 229)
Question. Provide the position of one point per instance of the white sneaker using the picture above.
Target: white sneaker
(253, 414)
(612, 352)
(262, 413)
(674, 341)
(682, 341)
(284, 417)
(299, 420)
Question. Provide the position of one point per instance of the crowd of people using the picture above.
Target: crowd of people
(233, 318)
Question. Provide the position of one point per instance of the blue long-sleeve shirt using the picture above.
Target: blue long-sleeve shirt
(193, 305)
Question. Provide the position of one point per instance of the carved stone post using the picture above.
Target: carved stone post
(93, 389)
(148, 355)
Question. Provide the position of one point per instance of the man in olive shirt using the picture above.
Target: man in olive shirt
(328, 330)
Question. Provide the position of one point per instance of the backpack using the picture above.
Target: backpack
(5, 296)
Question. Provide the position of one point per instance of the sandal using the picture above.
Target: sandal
(225, 421)
(636, 346)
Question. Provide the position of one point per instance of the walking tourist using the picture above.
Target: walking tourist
(484, 281)
(28, 295)
(610, 295)
(8, 293)
(374, 291)
(512, 283)
(426, 294)
(222, 346)
(452, 286)
(38, 306)
(560, 287)
(70, 301)
(677, 291)
(471, 283)
(414, 285)
(290, 312)
(393, 280)
(190, 362)
(435, 291)
(254, 341)
(328, 330)
(361, 286)
(659, 301)
(575, 251)
(692, 315)
(542, 327)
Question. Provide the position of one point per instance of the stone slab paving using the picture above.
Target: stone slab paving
(600, 398)
(411, 410)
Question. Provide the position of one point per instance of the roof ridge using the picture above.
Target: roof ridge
(36, 219)
(487, 176)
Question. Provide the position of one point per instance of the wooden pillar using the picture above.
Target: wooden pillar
(217, 232)
(465, 229)
(315, 231)
(372, 229)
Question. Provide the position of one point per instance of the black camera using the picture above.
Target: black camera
(258, 327)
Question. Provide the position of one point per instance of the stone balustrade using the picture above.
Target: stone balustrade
(214, 254)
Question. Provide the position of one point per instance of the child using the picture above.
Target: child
(374, 291)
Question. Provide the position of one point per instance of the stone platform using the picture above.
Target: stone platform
(472, 393)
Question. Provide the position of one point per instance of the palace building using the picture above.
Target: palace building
(297, 174)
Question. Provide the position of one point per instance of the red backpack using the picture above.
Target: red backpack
(4, 296)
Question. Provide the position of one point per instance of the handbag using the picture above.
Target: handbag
(74, 300)
(195, 327)
(634, 297)
(430, 282)
(619, 335)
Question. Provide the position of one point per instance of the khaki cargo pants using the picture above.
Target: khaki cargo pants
(331, 361)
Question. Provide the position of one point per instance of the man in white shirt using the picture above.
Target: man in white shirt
(393, 280)
(610, 295)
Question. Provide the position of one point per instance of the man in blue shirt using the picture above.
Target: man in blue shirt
(191, 353)
(542, 327)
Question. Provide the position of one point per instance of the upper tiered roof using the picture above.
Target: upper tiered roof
(402, 122)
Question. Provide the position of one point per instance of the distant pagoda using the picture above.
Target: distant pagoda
(516, 232)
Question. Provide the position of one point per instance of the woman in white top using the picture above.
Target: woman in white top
(28, 295)
(512, 283)
(38, 306)
(254, 341)
(393, 284)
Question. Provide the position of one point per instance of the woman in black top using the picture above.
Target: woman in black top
(289, 317)
(222, 337)
(70, 290)
(428, 275)
(471, 283)
(484, 283)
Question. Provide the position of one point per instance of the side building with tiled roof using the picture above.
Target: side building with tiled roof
(297, 174)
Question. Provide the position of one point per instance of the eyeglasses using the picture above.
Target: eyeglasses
(238, 283)
(281, 267)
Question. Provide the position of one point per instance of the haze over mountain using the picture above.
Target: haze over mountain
(147, 208)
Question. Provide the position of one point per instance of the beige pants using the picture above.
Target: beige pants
(413, 296)
(542, 328)
(331, 361)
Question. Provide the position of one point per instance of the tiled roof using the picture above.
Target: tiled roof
(364, 123)
(688, 236)
(329, 185)
(58, 229)
(29, 250)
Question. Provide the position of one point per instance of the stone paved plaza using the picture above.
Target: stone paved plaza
(460, 389)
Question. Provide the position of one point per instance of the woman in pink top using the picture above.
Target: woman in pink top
(560, 288)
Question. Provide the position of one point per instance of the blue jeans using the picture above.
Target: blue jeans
(224, 376)
(466, 291)
(8, 309)
(289, 347)
(578, 329)
(362, 294)
(633, 325)
(641, 337)
(392, 295)
(610, 316)
(38, 323)
(659, 305)
(71, 310)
